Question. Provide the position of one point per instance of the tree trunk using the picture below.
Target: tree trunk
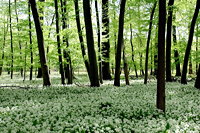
(58, 43)
(105, 42)
(18, 29)
(68, 65)
(41, 11)
(99, 43)
(148, 42)
(126, 71)
(197, 42)
(80, 35)
(197, 82)
(189, 44)
(11, 42)
(31, 43)
(190, 65)
(132, 50)
(40, 40)
(176, 54)
(90, 45)
(119, 43)
(161, 56)
(169, 41)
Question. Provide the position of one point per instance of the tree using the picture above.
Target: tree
(40, 40)
(161, 56)
(11, 41)
(189, 44)
(18, 28)
(105, 42)
(31, 42)
(197, 82)
(94, 80)
(119, 43)
(99, 43)
(148, 42)
(126, 72)
(58, 43)
(169, 41)
(41, 11)
(176, 53)
(66, 52)
(80, 35)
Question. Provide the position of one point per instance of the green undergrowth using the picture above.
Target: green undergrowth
(106, 109)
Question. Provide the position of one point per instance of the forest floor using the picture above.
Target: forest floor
(82, 109)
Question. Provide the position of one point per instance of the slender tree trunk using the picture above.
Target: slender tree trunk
(197, 44)
(119, 43)
(68, 65)
(105, 42)
(197, 82)
(11, 42)
(20, 47)
(40, 39)
(161, 57)
(176, 54)
(169, 41)
(94, 80)
(132, 50)
(80, 35)
(58, 43)
(99, 43)
(31, 42)
(148, 42)
(126, 71)
(189, 45)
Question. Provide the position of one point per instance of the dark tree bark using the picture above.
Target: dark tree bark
(197, 42)
(11, 42)
(169, 41)
(99, 43)
(66, 53)
(148, 42)
(58, 43)
(80, 35)
(176, 53)
(40, 40)
(189, 44)
(94, 80)
(126, 71)
(41, 16)
(197, 82)
(132, 50)
(20, 46)
(161, 56)
(119, 43)
(190, 65)
(105, 42)
(31, 42)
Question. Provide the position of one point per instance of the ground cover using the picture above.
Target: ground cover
(105, 109)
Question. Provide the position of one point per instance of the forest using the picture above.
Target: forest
(99, 66)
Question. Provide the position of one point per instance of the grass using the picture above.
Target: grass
(108, 109)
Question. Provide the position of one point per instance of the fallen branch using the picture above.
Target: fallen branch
(15, 87)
